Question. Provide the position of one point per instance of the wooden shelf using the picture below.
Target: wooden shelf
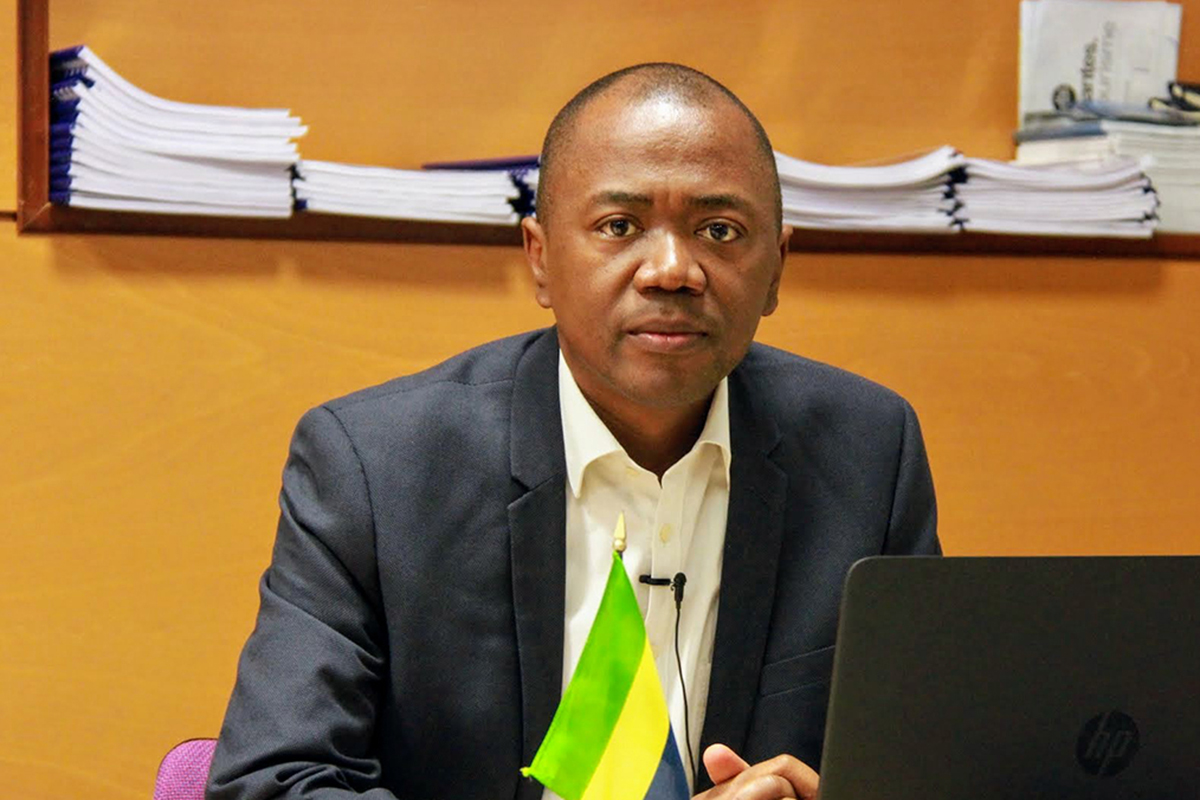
(326, 227)
(35, 213)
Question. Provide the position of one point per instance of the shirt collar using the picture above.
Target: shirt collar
(587, 439)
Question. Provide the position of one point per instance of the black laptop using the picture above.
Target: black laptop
(1007, 678)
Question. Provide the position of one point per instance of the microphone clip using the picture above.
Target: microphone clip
(677, 583)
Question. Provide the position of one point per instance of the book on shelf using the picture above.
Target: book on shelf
(117, 147)
(1118, 51)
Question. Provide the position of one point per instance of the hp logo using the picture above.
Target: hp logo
(1107, 743)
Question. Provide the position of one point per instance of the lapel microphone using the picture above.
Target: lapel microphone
(677, 583)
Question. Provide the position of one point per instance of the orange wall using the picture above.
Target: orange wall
(150, 384)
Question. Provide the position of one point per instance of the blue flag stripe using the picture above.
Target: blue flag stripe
(670, 781)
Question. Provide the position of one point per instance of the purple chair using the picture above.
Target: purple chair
(184, 771)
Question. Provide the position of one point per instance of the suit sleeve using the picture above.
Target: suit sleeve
(912, 526)
(301, 719)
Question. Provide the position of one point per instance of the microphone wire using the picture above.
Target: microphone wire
(677, 585)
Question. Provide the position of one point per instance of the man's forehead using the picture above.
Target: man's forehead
(631, 149)
(658, 117)
(656, 114)
(662, 133)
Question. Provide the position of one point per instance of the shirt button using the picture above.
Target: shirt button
(664, 533)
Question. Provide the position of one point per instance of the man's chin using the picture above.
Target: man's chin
(672, 393)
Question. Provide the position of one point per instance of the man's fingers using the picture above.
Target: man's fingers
(765, 787)
(780, 777)
(722, 763)
(800, 775)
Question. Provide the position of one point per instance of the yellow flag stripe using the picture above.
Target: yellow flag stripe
(628, 764)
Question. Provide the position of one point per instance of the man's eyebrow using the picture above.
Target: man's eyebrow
(704, 201)
(720, 201)
(620, 198)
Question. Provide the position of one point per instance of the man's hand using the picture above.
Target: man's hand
(780, 777)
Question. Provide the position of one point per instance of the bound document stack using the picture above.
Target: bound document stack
(1102, 198)
(482, 196)
(114, 146)
(915, 195)
(1169, 154)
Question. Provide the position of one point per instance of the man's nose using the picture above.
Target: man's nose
(669, 266)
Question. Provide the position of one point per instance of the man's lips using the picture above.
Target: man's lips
(667, 324)
(666, 338)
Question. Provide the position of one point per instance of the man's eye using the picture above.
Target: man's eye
(618, 228)
(719, 232)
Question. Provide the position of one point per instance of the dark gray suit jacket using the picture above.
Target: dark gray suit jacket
(409, 641)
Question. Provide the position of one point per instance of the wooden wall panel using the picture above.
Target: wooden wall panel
(151, 384)
(154, 383)
(151, 388)
(1058, 397)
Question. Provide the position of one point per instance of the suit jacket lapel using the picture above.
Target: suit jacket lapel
(753, 536)
(537, 527)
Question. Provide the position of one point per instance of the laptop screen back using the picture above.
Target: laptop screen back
(989, 678)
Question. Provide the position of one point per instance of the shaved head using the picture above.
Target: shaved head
(644, 83)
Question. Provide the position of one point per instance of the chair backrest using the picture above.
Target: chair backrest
(184, 771)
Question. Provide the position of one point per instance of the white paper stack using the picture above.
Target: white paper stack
(114, 146)
(914, 195)
(1169, 154)
(481, 196)
(1102, 198)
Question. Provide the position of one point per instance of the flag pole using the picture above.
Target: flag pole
(619, 537)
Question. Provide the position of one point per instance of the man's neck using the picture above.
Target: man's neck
(656, 439)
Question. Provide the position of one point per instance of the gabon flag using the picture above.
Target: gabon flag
(611, 736)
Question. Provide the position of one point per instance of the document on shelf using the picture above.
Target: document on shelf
(1118, 51)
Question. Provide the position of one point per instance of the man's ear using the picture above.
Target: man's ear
(785, 239)
(533, 237)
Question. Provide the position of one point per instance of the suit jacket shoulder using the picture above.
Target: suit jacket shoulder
(473, 370)
(794, 383)
(464, 406)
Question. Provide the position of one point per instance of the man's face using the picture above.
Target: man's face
(661, 251)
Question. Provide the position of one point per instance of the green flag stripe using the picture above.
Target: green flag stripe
(592, 703)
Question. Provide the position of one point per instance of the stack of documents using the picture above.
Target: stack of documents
(114, 146)
(1102, 198)
(916, 195)
(1169, 155)
(481, 196)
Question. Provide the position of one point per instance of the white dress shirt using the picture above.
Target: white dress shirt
(675, 526)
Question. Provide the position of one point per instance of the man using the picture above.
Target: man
(434, 572)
